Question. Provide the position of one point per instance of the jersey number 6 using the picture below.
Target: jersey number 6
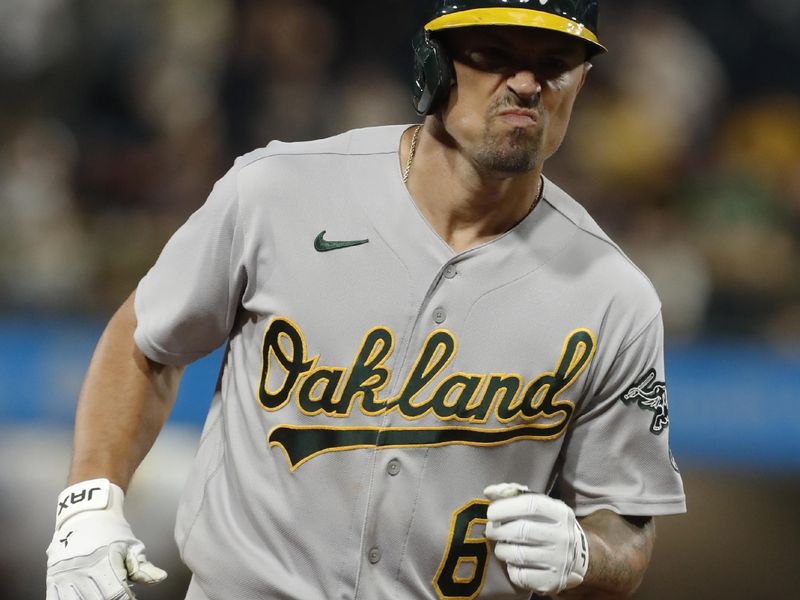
(463, 569)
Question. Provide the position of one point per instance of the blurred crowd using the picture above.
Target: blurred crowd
(117, 116)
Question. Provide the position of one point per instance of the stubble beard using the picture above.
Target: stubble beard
(515, 152)
(508, 152)
(505, 151)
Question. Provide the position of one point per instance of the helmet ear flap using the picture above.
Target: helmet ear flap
(433, 73)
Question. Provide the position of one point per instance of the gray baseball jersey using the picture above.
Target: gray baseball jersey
(375, 381)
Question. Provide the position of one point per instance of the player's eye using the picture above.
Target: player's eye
(496, 59)
(488, 58)
(551, 67)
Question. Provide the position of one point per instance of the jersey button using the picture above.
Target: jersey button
(374, 555)
(393, 468)
(439, 316)
(450, 271)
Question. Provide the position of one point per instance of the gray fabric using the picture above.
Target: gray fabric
(266, 513)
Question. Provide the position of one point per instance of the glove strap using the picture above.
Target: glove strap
(580, 561)
(94, 494)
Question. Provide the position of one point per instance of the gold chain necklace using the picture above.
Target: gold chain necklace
(536, 200)
(411, 152)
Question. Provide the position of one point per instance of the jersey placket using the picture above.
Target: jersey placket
(397, 472)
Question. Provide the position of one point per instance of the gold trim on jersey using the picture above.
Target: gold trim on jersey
(289, 374)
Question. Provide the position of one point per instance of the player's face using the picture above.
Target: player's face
(515, 87)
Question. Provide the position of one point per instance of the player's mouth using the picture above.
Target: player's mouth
(519, 117)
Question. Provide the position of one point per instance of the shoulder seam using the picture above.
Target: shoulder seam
(603, 239)
(272, 154)
(638, 334)
(265, 156)
(345, 141)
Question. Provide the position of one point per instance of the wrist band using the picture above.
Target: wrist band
(94, 494)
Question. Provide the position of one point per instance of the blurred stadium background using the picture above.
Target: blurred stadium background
(117, 116)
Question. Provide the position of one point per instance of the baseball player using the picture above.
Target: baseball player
(442, 380)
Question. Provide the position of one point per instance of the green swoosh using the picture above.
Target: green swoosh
(323, 245)
(302, 443)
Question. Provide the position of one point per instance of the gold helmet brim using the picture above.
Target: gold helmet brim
(522, 17)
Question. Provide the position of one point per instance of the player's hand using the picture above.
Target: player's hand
(94, 555)
(538, 538)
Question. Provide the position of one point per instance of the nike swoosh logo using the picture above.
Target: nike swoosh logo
(323, 245)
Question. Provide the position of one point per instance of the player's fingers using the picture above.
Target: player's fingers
(504, 490)
(98, 586)
(530, 557)
(147, 572)
(52, 593)
(524, 531)
(539, 580)
(108, 579)
(534, 507)
(66, 592)
(141, 570)
(100, 575)
(117, 571)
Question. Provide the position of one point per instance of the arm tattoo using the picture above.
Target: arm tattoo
(619, 552)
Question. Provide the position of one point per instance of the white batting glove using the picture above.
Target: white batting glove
(94, 554)
(538, 538)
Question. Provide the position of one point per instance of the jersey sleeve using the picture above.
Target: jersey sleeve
(187, 303)
(617, 456)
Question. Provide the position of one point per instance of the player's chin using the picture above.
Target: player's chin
(509, 151)
(522, 140)
(509, 163)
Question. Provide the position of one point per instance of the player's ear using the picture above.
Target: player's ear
(584, 73)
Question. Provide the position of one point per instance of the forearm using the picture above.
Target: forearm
(619, 553)
(124, 402)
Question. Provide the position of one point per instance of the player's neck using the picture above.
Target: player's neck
(465, 207)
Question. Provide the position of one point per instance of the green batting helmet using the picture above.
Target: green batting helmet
(433, 73)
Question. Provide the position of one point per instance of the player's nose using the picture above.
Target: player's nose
(524, 84)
